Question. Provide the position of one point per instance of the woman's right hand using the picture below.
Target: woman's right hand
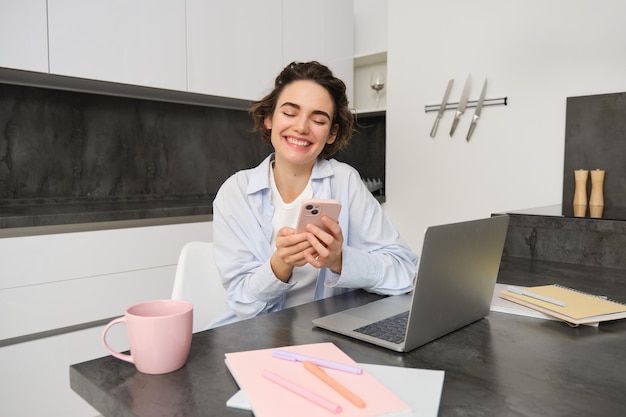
(289, 253)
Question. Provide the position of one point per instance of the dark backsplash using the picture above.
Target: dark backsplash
(61, 147)
(66, 145)
(595, 138)
(366, 151)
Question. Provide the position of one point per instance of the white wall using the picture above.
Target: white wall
(535, 52)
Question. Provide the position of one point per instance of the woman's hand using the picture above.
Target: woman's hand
(326, 246)
(291, 251)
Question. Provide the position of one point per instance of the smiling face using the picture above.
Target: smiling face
(301, 124)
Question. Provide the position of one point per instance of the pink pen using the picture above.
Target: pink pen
(303, 392)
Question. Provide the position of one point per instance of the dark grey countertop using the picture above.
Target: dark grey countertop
(32, 217)
(94, 214)
(558, 210)
(502, 365)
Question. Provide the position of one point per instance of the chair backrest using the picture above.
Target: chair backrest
(198, 281)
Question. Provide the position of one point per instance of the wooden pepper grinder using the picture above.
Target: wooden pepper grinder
(580, 192)
(596, 201)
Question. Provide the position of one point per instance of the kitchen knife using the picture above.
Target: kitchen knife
(479, 108)
(461, 107)
(442, 108)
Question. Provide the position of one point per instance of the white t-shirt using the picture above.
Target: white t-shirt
(286, 214)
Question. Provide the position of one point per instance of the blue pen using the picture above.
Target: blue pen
(295, 357)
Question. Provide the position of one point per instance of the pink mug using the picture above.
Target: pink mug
(159, 334)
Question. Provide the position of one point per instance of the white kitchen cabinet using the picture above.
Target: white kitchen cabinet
(139, 42)
(234, 48)
(322, 31)
(223, 48)
(237, 48)
(54, 287)
(60, 280)
(35, 373)
(370, 27)
(23, 35)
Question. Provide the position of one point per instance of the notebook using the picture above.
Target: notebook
(579, 308)
(455, 281)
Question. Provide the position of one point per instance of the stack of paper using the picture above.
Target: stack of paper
(385, 390)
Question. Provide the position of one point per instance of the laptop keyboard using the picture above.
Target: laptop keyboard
(391, 329)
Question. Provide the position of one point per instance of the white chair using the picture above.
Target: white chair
(198, 281)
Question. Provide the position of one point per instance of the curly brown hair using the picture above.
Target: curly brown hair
(343, 119)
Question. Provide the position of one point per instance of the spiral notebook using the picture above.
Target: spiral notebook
(580, 307)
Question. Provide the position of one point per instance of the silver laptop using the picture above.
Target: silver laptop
(455, 281)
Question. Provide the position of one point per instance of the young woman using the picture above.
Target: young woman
(265, 266)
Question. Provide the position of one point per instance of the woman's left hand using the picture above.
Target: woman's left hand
(327, 245)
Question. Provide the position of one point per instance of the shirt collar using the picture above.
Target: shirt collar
(259, 176)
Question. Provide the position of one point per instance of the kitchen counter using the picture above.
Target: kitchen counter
(558, 210)
(33, 217)
(37, 217)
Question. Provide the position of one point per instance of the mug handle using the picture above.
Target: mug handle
(122, 356)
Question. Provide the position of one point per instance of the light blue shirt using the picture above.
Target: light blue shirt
(374, 257)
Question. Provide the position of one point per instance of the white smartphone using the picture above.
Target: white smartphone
(313, 209)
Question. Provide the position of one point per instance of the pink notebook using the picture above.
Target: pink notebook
(271, 400)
